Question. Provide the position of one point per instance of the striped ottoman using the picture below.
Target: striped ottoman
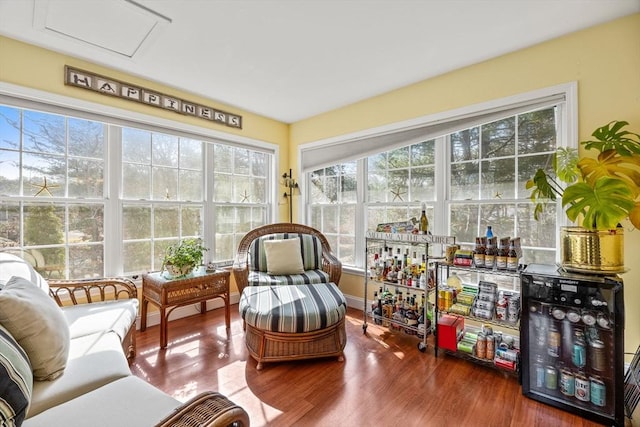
(290, 322)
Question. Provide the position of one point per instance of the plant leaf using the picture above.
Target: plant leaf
(634, 216)
(610, 164)
(602, 206)
(566, 164)
(612, 137)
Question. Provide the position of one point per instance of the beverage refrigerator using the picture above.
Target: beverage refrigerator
(572, 342)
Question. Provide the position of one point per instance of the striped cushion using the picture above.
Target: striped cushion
(257, 278)
(16, 381)
(292, 309)
(310, 247)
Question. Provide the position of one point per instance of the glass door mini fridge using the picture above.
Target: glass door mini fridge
(572, 342)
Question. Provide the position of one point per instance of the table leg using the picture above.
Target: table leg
(227, 310)
(143, 315)
(203, 307)
(163, 328)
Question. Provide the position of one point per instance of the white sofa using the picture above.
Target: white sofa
(79, 371)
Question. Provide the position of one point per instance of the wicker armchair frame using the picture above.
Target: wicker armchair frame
(208, 409)
(87, 291)
(330, 263)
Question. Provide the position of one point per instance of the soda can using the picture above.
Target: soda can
(596, 349)
(482, 313)
(507, 354)
(598, 391)
(554, 340)
(485, 305)
(582, 387)
(550, 378)
(491, 347)
(481, 346)
(567, 382)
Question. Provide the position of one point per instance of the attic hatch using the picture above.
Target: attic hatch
(119, 26)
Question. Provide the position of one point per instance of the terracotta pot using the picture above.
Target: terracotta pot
(592, 251)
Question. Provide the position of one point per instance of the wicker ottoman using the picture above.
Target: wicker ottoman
(292, 322)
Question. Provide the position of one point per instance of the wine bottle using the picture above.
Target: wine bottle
(424, 222)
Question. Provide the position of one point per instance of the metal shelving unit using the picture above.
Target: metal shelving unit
(375, 240)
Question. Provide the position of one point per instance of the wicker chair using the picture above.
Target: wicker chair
(330, 264)
(267, 342)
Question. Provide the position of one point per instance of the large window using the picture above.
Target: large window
(470, 178)
(82, 198)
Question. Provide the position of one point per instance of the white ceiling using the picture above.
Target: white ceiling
(293, 59)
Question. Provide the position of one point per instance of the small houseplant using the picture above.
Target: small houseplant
(599, 192)
(180, 259)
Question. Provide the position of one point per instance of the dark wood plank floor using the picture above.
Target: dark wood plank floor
(384, 381)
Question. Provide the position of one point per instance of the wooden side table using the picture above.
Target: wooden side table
(169, 294)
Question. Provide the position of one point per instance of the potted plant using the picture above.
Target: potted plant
(180, 259)
(598, 192)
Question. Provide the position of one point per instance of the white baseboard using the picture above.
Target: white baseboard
(153, 317)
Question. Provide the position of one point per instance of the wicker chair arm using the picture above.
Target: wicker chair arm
(208, 409)
(75, 292)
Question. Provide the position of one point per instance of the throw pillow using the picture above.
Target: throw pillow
(16, 380)
(283, 257)
(38, 325)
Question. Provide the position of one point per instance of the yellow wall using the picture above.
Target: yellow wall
(604, 60)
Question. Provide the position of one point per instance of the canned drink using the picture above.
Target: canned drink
(554, 341)
(550, 377)
(507, 354)
(579, 353)
(482, 313)
(485, 305)
(582, 387)
(501, 309)
(481, 346)
(466, 347)
(567, 383)
(488, 287)
(598, 362)
(491, 347)
(486, 296)
(513, 310)
(598, 391)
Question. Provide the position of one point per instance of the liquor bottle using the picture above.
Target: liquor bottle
(490, 254)
(424, 222)
(512, 257)
(478, 253)
(502, 253)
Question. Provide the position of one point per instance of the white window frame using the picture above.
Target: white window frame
(568, 137)
(34, 99)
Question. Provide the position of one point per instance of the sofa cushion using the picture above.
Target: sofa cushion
(292, 309)
(37, 323)
(257, 278)
(128, 401)
(310, 250)
(16, 380)
(94, 360)
(283, 256)
(87, 319)
(12, 265)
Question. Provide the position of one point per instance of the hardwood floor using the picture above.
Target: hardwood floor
(384, 381)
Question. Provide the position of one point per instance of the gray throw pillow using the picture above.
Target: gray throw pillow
(38, 325)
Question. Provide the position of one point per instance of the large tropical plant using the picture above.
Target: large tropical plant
(602, 191)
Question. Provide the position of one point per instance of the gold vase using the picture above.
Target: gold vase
(592, 251)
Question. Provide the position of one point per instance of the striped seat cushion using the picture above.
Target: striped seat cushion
(16, 380)
(310, 248)
(258, 278)
(292, 309)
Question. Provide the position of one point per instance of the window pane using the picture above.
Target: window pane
(222, 188)
(191, 154)
(44, 224)
(9, 172)
(86, 261)
(501, 218)
(86, 138)
(165, 184)
(10, 126)
(259, 164)
(242, 161)
(86, 223)
(222, 158)
(43, 133)
(423, 184)
(464, 181)
(423, 154)
(465, 145)
(527, 167)
(537, 131)
(136, 145)
(164, 150)
(86, 178)
(136, 182)
(136, 256)
(498, 138)
(192, 221)
(464, 222)
(9, 224)
(166, 221)
(498, 179)
(191, 186)
(136, 222)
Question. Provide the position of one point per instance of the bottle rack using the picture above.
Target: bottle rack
(442, 272)
(376, 240)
